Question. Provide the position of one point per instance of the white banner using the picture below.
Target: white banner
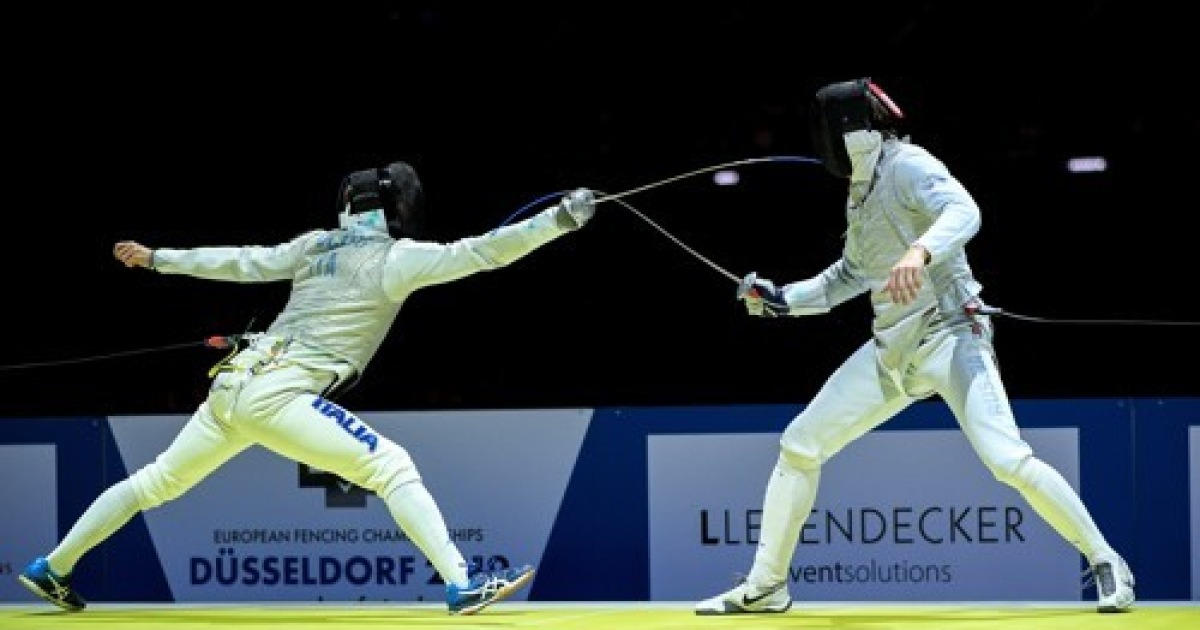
(899, 516)
(28, 512)
(264, 528)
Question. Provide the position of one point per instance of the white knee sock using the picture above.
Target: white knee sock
(418, 515)
(111, 510)
(1057, 502)
(789, 499)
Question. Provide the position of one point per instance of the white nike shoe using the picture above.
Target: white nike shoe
(743, 599)
(1114, 586)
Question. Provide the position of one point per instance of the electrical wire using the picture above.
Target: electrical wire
(709, 169)
(110, 355)
(662, 182)
(220, 342)
(678, 242)
(1114, 322)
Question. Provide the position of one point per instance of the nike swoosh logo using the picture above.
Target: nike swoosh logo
(749, 601)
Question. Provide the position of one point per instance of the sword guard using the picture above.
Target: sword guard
(746, 286)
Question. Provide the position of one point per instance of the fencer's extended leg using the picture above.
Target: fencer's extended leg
(961, 366)
(976, 395)
(201, 446)
(853, 400)
(107, 513)
(326, 436)
(418, 514)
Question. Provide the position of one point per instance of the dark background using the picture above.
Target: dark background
(191, 124)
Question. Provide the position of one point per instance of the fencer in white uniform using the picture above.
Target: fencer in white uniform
(348, 285)
(908, 221)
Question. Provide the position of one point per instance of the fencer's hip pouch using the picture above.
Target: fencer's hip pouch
(264, 354)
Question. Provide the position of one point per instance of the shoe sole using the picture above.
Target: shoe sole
(743, 611)
(37, 590)
(1117, 608)
(500, 594)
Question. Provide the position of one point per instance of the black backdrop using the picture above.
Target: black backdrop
(221, 124)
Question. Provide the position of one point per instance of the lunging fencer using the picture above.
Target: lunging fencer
(348, 285)
(909, 221)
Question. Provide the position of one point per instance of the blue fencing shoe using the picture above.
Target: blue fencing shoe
(54, 588)
(486, 588)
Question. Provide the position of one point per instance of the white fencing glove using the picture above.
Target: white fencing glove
(762, 297)
(576, 208)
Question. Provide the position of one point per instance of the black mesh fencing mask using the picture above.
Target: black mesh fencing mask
(843, 107)
(394, 188)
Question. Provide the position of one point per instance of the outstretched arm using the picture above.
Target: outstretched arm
(414, 264)
(238, 264)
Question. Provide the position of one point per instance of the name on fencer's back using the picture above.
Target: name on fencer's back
(348, 421)
(325, 251)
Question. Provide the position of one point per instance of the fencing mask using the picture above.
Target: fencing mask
(845, 107)
(388, 196)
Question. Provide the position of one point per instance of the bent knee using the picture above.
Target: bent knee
(154, 485)
(1013, 471)
(390, 468)
(799, 453)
